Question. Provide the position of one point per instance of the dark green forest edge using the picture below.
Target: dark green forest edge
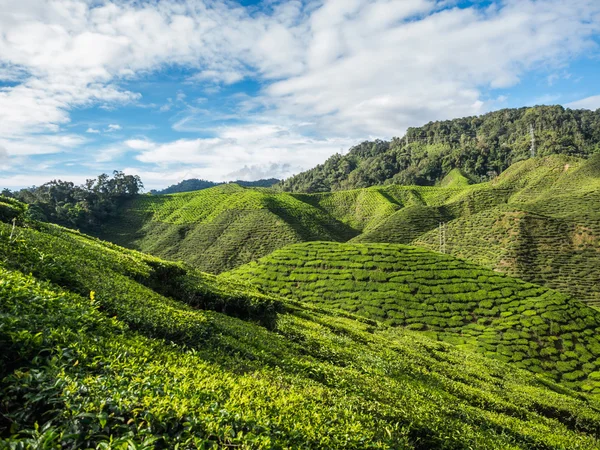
(110, 348)
(482, 147)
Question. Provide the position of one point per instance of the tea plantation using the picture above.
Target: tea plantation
(547, 233)
(104, 347)
(539, 221)
(475, 308)
(220, 228)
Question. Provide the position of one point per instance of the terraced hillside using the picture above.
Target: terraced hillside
(447, 298)
(548, 232)
(539, 221)
(222, 227)
(106, 347)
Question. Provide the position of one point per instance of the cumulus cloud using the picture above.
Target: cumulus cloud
(370, 72)
(349, 68)
(592, 103)
(244, 152)
(92, 130)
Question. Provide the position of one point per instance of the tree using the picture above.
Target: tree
(85, 206)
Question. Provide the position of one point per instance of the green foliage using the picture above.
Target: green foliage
(456, 179)
(336, 396)
(83, 206)
(220, 228)
(481, 147)
(11, 209)
(104, 347)
(460, 302)
(538, 221)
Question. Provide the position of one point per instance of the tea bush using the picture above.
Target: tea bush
(538, 221)
(428, 291)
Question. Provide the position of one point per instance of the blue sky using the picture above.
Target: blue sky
(227, 90)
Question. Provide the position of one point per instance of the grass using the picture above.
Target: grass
(449, 299)
(105, 347)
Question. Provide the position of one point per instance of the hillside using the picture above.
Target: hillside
(104, 346)
(539, 221)
(481, 147)
(446, 298)
(548, 232)
(194, 184)
(222, 227)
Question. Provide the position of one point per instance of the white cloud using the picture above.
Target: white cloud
(139, 144)
(245, 152)
(37, 179)
(350, 68)
(219, 76)
(592, 103)
(366, 74)
(40, 144)
(167, 106)
(112, 127)
(92, 130)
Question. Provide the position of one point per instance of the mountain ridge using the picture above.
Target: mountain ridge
(481, 146)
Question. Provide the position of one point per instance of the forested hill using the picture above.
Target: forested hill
(480, 146)
(194, 184)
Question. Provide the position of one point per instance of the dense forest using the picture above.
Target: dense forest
(85, 206)
(194, 184)
(481, 147)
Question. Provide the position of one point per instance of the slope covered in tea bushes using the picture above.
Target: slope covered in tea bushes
(108, 347)
(222, 227)
(538, 221)
(547, 233)
(531, 326)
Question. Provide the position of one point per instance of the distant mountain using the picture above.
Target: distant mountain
(481, 147)
(194, 184)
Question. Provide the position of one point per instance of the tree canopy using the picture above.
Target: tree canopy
(481, 147)
(84, 206)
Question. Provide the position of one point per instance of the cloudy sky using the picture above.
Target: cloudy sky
(224, 89)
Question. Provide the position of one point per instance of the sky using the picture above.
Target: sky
(225, 90)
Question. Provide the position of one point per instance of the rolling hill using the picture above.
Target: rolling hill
(222, 227)
(447, 298)
(539, 221)
(481, 147)
(107, 347)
